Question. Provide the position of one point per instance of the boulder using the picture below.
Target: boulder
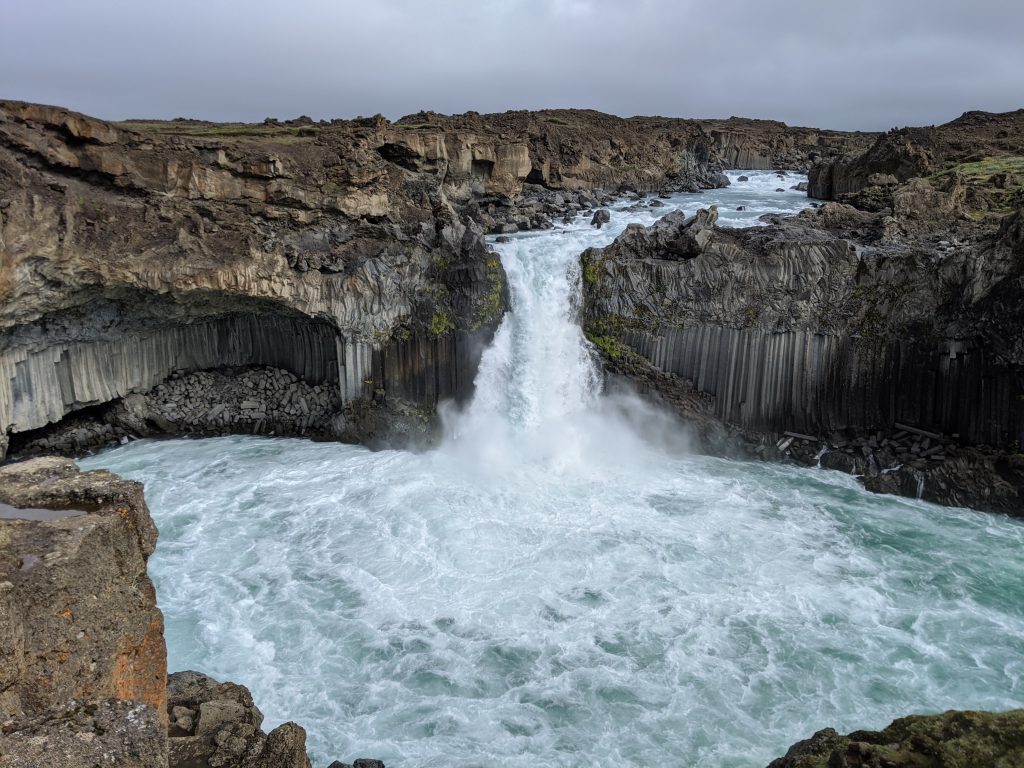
(217, 725)
(601, 217)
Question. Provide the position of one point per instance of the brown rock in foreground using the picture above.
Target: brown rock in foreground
(950, 740)
(83, 665)
(78, 615)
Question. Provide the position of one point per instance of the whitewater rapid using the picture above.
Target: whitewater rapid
(561, 583)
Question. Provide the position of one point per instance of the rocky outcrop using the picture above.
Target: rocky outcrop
(79, 617)
(86, 733)
(837, 325)
(564, 149)
(82, 658)
(129, 254)
(768, 144)
(217, 725)
(83, 664)
(985, 149)
(950, 740)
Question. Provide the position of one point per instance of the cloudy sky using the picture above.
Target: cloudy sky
(868, 64)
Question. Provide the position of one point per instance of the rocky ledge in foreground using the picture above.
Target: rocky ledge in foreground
(83, 663)
(886, 339)
(949, 740)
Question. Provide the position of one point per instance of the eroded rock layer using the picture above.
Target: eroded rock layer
(129, 255)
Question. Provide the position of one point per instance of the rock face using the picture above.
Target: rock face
(769, 144)
(93, 733)
(82, 658)
(83, 664)
(217, 725)
(349, 254)
(79, 617)
(838, 324)
(949, 740)
(986, 145)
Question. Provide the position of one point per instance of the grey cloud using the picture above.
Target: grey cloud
(867, 65)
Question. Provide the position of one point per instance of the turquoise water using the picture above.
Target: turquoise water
(562, 584)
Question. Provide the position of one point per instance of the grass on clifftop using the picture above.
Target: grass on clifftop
(983, 196)
(232, 130)
(983, 170)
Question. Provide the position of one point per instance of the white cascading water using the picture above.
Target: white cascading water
(560, 583)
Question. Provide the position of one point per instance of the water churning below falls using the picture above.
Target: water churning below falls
(561, 583)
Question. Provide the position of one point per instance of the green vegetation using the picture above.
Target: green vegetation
(983, 196)
(610, 346)
(591, 267)
(493, 305)
(983, 170)
(441, 323)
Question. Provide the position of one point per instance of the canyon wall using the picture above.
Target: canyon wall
(349, 253)
(769, 145)
(847, 328)
(980, 146)
(127, 256)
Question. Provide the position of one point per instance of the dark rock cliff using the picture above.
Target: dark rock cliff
(768, 144)
(986, 148)
(128, 256)
(837, 323)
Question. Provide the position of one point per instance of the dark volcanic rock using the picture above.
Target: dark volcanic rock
(975, 143)
(601, 217)
(991, 481)
(949, 740)
(838, 321)
(349, 254)
(217, 725)
(770, 145)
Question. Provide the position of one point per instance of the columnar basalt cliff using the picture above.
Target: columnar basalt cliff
(348, 254)
(892, 334)
(769, 144)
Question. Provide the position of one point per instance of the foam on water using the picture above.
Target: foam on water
(561, 584)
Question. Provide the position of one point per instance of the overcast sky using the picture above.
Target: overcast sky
(867, 64)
